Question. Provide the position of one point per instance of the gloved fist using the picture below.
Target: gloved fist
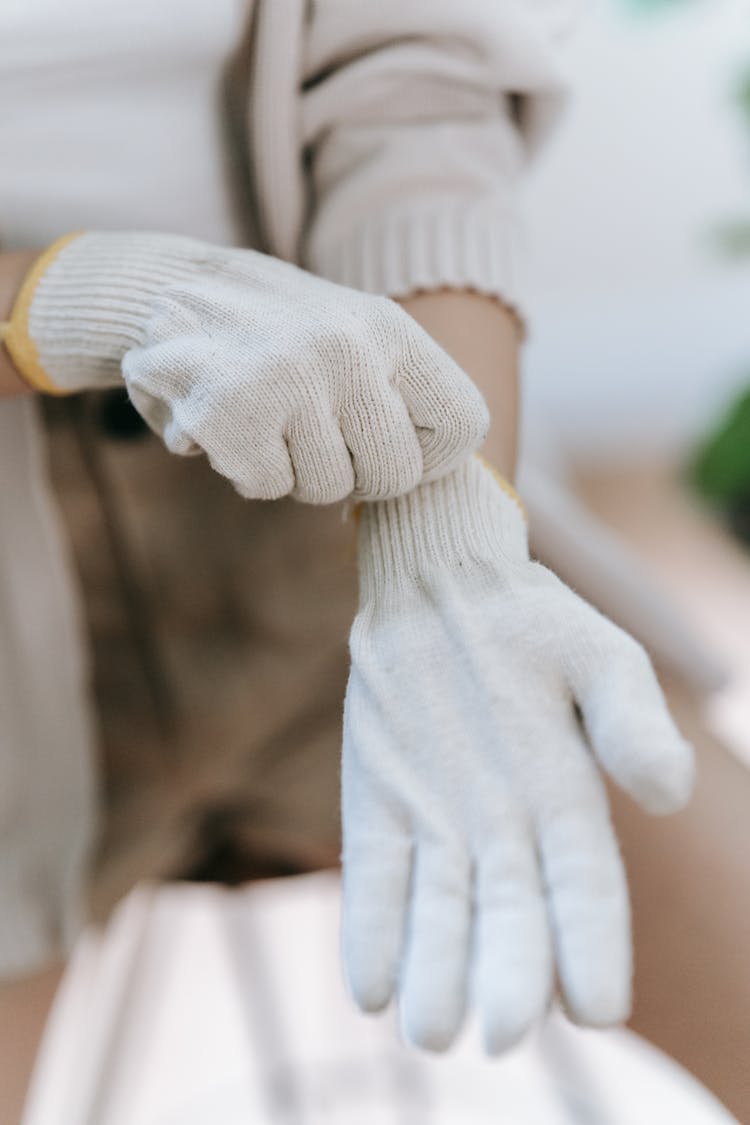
(289, 383)
(483, 697)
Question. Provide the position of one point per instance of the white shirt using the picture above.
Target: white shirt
(111, 117)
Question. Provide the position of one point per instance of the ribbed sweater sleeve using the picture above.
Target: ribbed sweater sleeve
(418, 120)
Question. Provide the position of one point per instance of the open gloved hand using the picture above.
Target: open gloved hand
(484, 696)
(290, 384)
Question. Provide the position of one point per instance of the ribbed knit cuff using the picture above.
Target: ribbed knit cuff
(93, 302)
(461, 246)
(470, 516)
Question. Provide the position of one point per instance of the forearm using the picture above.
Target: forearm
(24, 1007)
(13, 268)
(483, 336)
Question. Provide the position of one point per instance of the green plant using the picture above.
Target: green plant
(721, 468)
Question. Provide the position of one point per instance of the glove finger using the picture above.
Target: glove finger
(323, 470)
(447, 409)
(626, 718)
(242, 441)
(376, 872)
(586, 892)
(433, 988)
(384, 448)
(513, 972)
(265, 474)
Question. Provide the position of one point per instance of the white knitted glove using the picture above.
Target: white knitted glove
(289, 383)
(476, 830)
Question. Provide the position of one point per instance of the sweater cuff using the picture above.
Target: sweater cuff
(401, 252)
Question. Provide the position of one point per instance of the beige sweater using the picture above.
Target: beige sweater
(384, 143)
(391, 158)
(385, 140)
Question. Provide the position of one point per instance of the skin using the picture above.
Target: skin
(24, 1006)
(484, 337)
(691, 920)
(691, 915)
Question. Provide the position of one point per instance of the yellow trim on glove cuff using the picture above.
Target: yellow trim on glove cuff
(15, 333)
(506, 486)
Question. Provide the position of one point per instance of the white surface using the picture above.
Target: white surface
(231, 1009)
(641, 330)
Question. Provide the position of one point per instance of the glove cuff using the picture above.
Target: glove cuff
(472, 516)
(87, 300)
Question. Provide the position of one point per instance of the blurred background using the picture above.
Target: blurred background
(638, 366)
(641, 330)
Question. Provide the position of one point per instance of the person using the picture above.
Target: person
(382, 151)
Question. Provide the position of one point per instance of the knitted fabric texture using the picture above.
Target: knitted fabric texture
(290, 384)
(478, 850)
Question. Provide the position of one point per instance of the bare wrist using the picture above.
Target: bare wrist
(483, 336)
